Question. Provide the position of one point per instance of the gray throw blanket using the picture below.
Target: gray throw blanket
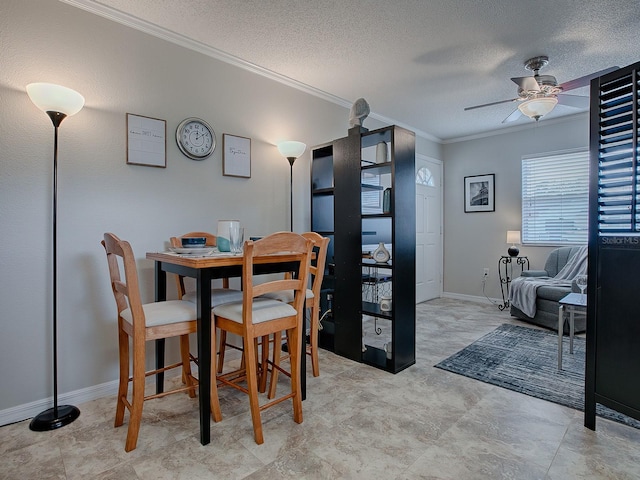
(522, 294)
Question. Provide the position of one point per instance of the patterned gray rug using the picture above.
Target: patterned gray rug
(526, 360)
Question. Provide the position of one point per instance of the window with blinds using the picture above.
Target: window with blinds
(555, 198)
(618, 169)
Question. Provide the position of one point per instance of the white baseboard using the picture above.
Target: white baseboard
(29, 410)
(472, 298)
(77, 397)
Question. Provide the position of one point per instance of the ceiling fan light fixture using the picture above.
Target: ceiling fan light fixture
(538, 107)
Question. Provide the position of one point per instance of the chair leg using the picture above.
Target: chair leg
(275, 360)
(214, 401)
(187, 378)
(294, 336)
(263, 366)
(313, 338)
(123, 384)
(137, 396)
(252, 386)
(223, 346)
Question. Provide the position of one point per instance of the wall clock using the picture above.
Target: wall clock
(195, 138)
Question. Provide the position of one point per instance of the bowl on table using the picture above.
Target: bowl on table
(194, 242)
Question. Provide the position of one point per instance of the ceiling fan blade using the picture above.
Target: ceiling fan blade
(492, 103)
(575, 101)
(586, 80)
(527, 83)
(515, 115)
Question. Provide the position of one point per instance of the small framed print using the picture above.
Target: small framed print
(479, 193)
(236, 156)
(146, 141)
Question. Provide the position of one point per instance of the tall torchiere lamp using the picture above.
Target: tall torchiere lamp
(58, 103)
(291, 151)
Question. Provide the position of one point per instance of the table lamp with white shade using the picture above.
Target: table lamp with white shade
(513, 237)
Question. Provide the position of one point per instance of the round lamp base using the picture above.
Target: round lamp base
(52, 419)
(513, 251)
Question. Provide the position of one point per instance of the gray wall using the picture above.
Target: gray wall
(477, 240)
(121, 70)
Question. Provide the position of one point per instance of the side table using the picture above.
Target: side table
(572, 303)
(505, 272)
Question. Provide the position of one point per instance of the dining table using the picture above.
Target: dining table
(204, 269)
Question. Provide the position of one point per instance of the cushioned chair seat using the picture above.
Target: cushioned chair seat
(164, 313)
(264, 309)
(219, 296)
(286, 296)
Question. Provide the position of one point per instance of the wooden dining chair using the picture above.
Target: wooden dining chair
(218, 295)
(316, 269)
(140, 323)
(256, 317)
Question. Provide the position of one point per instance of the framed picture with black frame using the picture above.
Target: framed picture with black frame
(479, 193)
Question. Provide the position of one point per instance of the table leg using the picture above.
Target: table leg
(203, 287)
(560, 325)
(161, 296)
(303, 355)
(571, 329)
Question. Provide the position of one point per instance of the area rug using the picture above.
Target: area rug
(525, 360)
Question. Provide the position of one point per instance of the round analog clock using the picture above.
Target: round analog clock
(195, 138)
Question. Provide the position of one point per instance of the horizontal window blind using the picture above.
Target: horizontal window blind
(555, 199)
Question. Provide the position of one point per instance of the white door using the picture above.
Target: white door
(428, 228)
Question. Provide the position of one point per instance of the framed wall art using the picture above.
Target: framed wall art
(236, 156)
(146, 141)
(479, 193)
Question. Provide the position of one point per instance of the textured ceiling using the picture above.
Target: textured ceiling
(417, 62)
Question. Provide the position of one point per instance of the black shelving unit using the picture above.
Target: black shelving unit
(343, 172)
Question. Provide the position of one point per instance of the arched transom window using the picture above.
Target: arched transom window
(424, 177)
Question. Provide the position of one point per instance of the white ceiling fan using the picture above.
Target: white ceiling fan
(539, 94)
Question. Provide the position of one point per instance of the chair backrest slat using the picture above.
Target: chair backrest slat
(127, 291)
(281, 242)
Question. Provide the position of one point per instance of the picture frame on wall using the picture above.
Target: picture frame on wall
(236, 156)
(146, 141)
(479, 193)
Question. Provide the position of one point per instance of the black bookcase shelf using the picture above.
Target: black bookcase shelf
(352, 291)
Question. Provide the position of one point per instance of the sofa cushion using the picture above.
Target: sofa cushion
(552, 292)
(558, 258)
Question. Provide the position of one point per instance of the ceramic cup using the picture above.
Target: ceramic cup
(222, 241)
(387, 348)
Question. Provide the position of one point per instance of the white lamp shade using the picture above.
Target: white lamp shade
(538, 107)
(291, 149)
(49, 97)
(513, 236)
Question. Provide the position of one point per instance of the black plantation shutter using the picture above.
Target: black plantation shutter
(613, 321)
(618, 177)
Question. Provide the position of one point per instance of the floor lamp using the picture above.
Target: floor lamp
(291, 151)
(58, 103)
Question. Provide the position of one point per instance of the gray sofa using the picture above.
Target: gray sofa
(547, 297)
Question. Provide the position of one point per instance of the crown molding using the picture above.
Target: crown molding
(179, 39)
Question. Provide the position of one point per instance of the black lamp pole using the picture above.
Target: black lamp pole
(291, 160)
(62, 415)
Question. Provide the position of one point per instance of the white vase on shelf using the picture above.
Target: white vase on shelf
(381, 254)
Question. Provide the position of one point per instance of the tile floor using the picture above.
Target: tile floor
(359, 422)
